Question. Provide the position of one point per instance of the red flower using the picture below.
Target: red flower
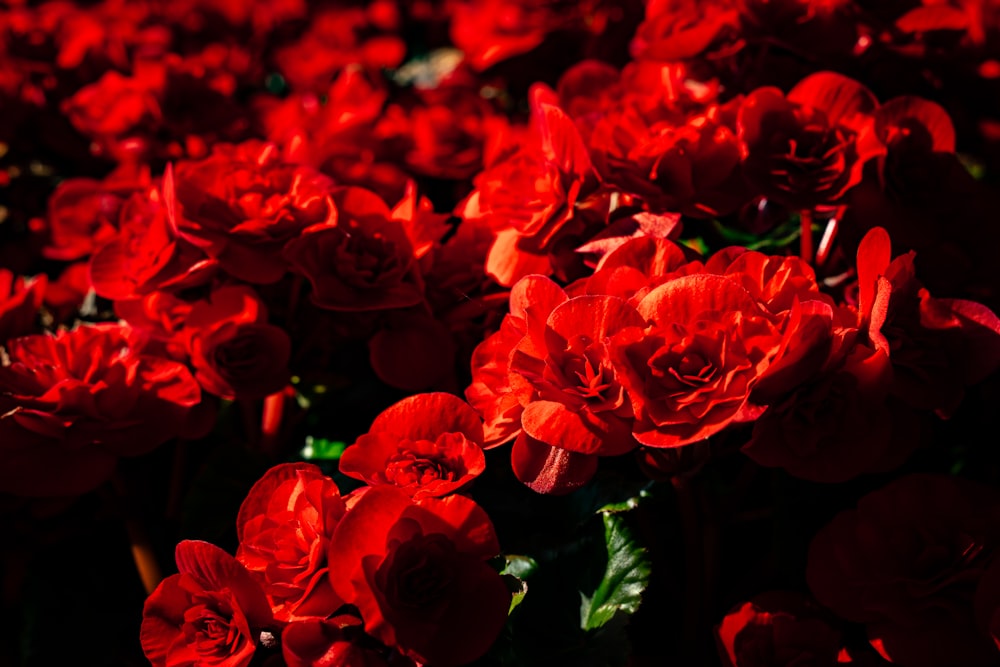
(418, 574)
(241, 360)
(284, 526)
(906, 562)
(209, 615)
(147, 253)
(427, 445)
(81, 213)
(807, 149)
(679, 29)
(690, 372)
(363, 261)
(242, 205)
(333, 643)
(778, 629)
(71, 404)
(20, 300)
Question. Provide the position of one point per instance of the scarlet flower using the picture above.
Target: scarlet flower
(428, 445)
(72, 403)
(906, 562)
(81, 216)
(808, 148)
(678, 29)
(243, 204)
(236, 361)
(417, 572)
(284, 527)
(689, 373)
(211, 614)
(362, 261)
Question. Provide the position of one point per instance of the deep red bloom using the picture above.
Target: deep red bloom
(778, 629)
(426, 445)
(72, 403)
(808, 148)
(211, 614)
(238, 361)
(362, 261)
(679, 29)
(906, 562)
(243, 204)
(418, 574)
(333, 643)
(284, 526)
(81, 216)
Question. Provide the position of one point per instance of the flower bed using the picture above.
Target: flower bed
(467, 332)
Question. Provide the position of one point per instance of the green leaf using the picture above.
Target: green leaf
(625, 577)
(518, 589)
(521, 567)
(321, 449)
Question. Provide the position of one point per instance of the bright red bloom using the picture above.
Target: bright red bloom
(535, 193)
(362, 261)
(284, 526)
(243, 204)
(72, 403)
(20, 299)
(778, 629)
(906, 562)
(427, 445)
(806, 149)
(418, 574)
(211, 614)
(690, 372)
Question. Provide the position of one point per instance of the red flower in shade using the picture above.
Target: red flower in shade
(679, 29)
(242, 205)
(690, 372)
(778, 629)
(71, 404)
(80, 217)
(284, 526)
(20, 300)
(807, 149)
(363, 261)
(234, 360)
(147, 253)
(426, 445)
(209, 615)
(418, 574)
(906, 563)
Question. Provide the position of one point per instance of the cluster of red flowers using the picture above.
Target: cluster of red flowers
(406, 553)
(639, 236)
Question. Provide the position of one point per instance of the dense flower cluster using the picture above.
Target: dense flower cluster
(662, 249)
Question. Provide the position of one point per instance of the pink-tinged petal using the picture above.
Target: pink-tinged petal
(550, 470)
(842, 99)
(215, 570)
(426, 416)
(874, 256)
(258, 499)
(901, 118)
(684, 299)
(582, 432)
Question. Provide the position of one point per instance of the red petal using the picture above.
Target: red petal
(426, 416)
(216, 570)
(259, 497)
(842, 99)
(548, 469)
(874, 256)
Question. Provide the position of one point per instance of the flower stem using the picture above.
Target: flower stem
(270, 421)
(142, 549)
